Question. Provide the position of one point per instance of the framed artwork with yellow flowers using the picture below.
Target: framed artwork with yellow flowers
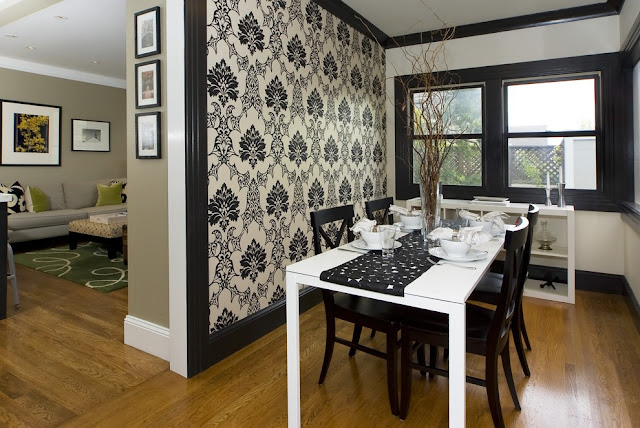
(29, 134)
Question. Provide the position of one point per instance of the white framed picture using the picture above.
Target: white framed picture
(148, 84)
(148, 136)
(90, 135)
(147, 32)
(30, 134)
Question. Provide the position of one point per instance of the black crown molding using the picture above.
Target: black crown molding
(360, 23)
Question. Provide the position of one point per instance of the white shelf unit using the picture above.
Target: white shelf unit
(560, 222)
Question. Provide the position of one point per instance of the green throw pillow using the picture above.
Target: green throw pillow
(109, 195)
(39, 200)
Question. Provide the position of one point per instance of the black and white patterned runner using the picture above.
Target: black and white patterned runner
(371, 272)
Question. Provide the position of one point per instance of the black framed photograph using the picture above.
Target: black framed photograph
(147, 32)
(148, 136)
(30, 134)
(90, 135)
(148, 84)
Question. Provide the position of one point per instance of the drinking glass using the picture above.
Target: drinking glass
(387, 239)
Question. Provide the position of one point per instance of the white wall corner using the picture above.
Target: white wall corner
(148, 337)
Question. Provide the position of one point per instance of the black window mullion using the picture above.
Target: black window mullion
(495, 149)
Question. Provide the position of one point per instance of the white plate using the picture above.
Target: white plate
(491, 198)
(361, 244)
(405, 228)
(471, 256)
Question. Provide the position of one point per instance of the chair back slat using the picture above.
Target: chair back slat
(514, 245)
(319, 218)
(373, 207)
(532, 217)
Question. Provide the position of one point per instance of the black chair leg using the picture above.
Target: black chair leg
(373, 334)
(517, 340)
(357, 330)
(445, 354)
(523, 328)
(328, 348)
(506, 365)
(392, 379)
(433, 357)
(405, 376)
(493, 394)
(421, 357)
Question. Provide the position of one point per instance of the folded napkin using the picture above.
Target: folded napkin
(468, 215)
(364, 224)
(398, 210)
(496, 217)
(441, 233)
(474, 235)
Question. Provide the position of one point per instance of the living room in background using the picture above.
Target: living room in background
(296, 115)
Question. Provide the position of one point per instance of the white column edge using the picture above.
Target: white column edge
(146, 336)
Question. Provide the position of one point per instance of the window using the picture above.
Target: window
(551, 130)
(516, 123)
(463, 164)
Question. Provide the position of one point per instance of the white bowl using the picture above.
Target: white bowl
(373, 239)
(486, 225)
(455, 248)
(411, 221)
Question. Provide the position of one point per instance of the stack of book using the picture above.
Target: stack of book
(490, 200)
(113, 218)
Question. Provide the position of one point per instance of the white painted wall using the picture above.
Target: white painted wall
(599, 236)
(628, 16)
(631, 251)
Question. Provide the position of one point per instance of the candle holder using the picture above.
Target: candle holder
(561, 200)
(548, 193)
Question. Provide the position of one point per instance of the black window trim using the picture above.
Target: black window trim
(613, 163)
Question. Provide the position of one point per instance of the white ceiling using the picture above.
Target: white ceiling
(94, 31)
(400, 17)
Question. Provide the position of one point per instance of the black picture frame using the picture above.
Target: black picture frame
(148, 84)
(90, 135)
(14, 149)
(148, 136)
(147, 32)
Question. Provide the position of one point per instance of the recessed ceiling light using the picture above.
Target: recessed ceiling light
(61, 18)
(95, 61)
(31, 48)
(11, 36)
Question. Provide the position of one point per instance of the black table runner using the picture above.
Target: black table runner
(391, 275)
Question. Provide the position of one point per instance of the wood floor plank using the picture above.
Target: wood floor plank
(63, 363)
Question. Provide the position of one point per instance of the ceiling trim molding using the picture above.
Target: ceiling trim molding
(354, 19)
(62, 73)
(611, 7)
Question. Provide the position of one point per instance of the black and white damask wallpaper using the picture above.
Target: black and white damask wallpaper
(295, 122)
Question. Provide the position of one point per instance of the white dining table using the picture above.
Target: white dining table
(442, 288)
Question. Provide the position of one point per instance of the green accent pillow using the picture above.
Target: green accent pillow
(109, 195)
(39, 200)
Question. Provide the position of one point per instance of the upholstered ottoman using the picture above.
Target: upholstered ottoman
(109, 234)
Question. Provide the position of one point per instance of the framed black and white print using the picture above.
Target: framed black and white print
(30, 134)
(147, 32)
(148, 84)
(90, 135)
(148, 136)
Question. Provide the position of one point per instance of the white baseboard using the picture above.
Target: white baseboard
(148, 337)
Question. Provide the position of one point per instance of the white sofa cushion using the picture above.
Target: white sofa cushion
(27, 220)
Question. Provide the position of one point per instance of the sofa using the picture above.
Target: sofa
(67, 201)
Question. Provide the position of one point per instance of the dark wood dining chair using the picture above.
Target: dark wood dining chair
(360, 311)
(374, 207)
(488, 291)
(487, 332)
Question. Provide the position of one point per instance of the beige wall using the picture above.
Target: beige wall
(78, 101)
(147, 197)
(631, 265)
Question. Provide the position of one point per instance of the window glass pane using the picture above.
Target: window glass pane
(460, 109)
(568, 105)
(462, 167)
(531, 159)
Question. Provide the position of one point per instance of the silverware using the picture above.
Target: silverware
(444, 262)
(352, 250)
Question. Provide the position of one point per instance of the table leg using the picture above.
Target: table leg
(457, 366)
(293, 351)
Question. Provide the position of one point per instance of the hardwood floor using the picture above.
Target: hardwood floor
(63, 362)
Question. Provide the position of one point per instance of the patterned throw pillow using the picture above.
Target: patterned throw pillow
(17, 203)
(123, 195)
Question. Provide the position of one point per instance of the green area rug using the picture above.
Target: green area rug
(87, 265)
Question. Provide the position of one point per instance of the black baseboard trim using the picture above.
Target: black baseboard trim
(632, 304)
(246, 331)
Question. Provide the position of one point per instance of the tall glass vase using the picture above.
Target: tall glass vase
(430, 200)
